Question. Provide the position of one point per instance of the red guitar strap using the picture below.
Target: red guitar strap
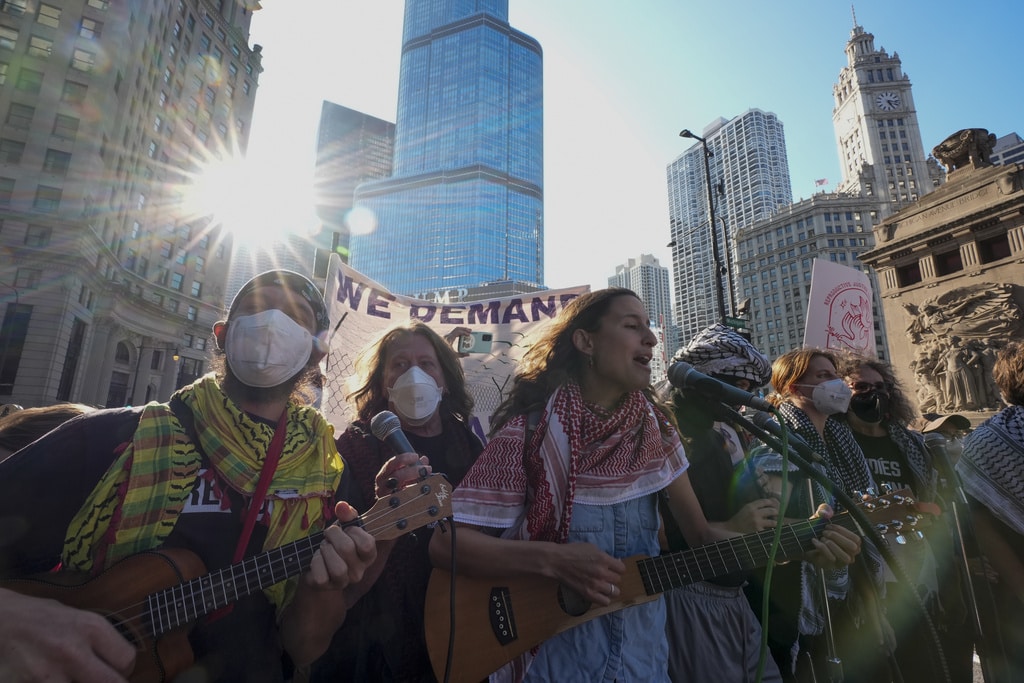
(258, 496)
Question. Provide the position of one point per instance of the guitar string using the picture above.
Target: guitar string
(156, 609)
(663, 572)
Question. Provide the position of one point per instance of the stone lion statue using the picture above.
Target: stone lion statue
(967, 146)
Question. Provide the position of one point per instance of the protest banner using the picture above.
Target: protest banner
(839, 315)
(361, 310)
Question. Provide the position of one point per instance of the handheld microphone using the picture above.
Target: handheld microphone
(386, 426)
(683, 376)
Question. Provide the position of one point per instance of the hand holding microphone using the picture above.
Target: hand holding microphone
(406, 466)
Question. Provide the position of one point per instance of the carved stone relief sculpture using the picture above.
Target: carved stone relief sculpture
(957, 335)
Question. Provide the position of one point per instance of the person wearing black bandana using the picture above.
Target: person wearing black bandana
(878, 416)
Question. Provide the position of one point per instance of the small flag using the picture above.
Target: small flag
(820, 182)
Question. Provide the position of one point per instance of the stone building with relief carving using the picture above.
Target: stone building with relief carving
(951, 276)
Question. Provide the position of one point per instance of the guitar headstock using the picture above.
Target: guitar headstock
(898, 514)
(416, 505)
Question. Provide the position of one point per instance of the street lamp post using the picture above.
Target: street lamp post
(719, 298)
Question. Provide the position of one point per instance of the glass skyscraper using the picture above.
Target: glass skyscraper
(464, 205)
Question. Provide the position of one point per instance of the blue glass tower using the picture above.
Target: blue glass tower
(464, 205)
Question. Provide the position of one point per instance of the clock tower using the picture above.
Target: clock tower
(877, 134)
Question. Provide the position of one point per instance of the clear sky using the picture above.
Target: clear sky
(622, 78)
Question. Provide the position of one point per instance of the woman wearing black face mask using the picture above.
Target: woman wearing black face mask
(878, 416)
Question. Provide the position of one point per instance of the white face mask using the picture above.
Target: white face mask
(415, 396)
(830, 397)
(267, 349)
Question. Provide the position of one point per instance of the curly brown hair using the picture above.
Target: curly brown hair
(554, 360)
(900, 409)
(1008, 373)
(371, 396)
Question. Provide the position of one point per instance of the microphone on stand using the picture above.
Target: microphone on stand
(683, 376)
(386, 426)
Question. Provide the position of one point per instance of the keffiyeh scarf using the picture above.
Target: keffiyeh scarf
(844, 464)
(720, 350)
(578, 453)
(136, 504)
(992, 466)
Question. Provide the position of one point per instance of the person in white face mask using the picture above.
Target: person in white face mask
(414, 373)
(228, 469)
(812, 399)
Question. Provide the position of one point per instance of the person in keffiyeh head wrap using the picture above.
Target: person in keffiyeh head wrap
(567, 487)
(992, 471)
(702, 618)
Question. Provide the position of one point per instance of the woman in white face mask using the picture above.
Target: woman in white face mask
(812, 399)
(411, 371)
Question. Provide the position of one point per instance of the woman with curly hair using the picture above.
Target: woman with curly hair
(879, 415)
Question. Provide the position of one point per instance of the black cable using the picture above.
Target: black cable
(451, 609)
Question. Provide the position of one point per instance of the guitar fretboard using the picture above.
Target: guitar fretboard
(742, 553)
(175, 607)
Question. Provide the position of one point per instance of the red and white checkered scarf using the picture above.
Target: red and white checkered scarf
(578, 453)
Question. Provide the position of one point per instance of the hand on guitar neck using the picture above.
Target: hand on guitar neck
(153, 599)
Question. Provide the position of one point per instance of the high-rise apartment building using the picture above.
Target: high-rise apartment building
(750, 182)
(650, 280)
(464, 204)
(884, 168)
(877, 134)
(107, 289)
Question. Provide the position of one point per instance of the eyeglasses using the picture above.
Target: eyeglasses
(865, 387)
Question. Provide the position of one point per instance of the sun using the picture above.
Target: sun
(260, 201)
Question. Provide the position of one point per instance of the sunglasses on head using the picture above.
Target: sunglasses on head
(865, 387)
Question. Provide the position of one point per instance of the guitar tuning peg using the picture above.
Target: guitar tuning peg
(886, 489)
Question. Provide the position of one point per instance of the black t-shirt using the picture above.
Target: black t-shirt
(887, 462)
(43, 486)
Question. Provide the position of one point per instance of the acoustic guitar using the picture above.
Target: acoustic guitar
(154, 598)
(496, 620)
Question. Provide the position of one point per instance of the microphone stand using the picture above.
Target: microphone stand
(958, 500)
(802, 462)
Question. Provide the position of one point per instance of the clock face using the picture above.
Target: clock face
(887, 101)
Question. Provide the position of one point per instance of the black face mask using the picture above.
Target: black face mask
(870, 406)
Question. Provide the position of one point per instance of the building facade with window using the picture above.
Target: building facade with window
(464, 204)
(775, 258)
(878, 137)
(107, 289)
(750, 182)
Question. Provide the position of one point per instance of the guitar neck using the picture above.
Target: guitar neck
(740, 554)
(183, 604)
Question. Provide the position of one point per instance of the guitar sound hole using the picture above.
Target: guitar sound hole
(571, 602)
